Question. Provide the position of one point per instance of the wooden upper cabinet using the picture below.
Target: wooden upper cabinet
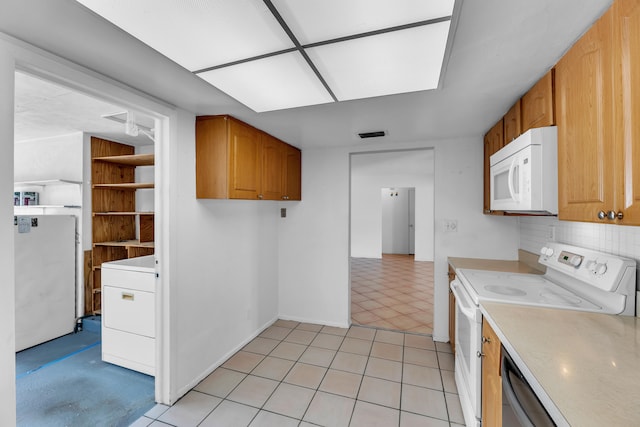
(627, 108)
(584, 114)
(512, 123)
(273, 168)
(237, 161)
(491, 378)
(493, 141)
(537, 104)
(293, 178)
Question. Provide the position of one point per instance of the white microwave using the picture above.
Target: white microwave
(524, 174)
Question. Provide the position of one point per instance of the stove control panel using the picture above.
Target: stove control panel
(598, 269)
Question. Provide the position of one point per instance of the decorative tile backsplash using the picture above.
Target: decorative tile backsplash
(613, 239)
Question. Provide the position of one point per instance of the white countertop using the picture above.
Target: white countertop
(585, 367)
(146, 264)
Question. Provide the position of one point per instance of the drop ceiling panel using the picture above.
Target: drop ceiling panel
(319, 20)
(195, 33)
(396, 62)
(274, 83)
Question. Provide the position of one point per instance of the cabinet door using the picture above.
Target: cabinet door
(293, 179)
(627, 39)
(273, 163)
(512, 123)
(537, 104)
(245, 162)
(493, 141)
(491, 378)
(584, 114)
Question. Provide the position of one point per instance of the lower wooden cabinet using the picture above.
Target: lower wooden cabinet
(491, 378)
(237, 161)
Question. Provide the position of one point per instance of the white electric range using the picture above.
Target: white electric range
(576, 279)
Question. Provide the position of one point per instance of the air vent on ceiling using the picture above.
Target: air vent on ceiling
(375, 134)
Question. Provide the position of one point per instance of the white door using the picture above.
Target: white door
(412, 221)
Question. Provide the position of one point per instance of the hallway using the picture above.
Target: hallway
(394, 292)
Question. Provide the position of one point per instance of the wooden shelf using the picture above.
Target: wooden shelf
(129, 160)
(121, 213)
(126, 244)
(125, 185)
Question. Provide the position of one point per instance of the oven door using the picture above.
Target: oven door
(468, 363)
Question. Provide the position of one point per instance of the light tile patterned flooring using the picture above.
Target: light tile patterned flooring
(394, 292)
(301, 374)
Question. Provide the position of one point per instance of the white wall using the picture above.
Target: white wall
(224, 268)
(372, 171)
(314, 240)
(7, 289)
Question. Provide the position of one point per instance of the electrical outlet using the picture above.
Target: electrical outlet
(450, 225)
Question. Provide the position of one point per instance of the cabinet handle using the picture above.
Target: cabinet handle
(613, 215)
(479, 354)
(602, 215)
(260, 196)
(127, 296)
(486, 340)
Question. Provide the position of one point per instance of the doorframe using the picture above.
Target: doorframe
(40, 63)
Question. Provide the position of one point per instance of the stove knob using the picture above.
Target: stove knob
(549, 252)
(576, 261)
(600, 269)
(543, 251)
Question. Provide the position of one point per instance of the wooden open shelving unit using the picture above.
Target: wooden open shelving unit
(114, 216)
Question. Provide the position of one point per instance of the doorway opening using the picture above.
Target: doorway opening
(58, 298)
(391, 240)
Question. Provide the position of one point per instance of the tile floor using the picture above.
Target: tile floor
(300, 374)
(394, 292)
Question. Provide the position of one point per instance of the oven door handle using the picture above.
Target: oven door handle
(467, 309)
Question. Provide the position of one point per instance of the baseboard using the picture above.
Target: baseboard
(315, 321)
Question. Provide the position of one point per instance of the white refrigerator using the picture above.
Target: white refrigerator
(45, 265)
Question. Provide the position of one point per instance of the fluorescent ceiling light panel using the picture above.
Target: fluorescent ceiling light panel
(389, 63)
(320, 20)
(274, 83)
(197, 33)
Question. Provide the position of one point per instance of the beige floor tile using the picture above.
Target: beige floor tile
(288, 350)
(143, 422)
(403, 322)
(385, 313)
(381, 392)
(369, 415)
(273, 368)
(416, 356)
(422, 376)
(341, 383)
(290, 400)
(390, 337)
(369, 304)
(160, 409)
(356, 297)
(330, 410)
(383, 350)
(355, 345)
(334, 330)
(220, 382)
(419, 341)
(454, 408)
(424, 401)
(365, 318)
(301, 337)
(243, 361)
(230, 414)
(354, 363)
(384, 369)
(361, 333)
(446, 361)
(408, 419)
(331, 342)
(261, 345)
(291, 324)
(444, 347)
(312, 327)
(275, 332)
(449, 382)
(269, 419)
(190, 410)
(317, 356)
(305, 375)
(253, 391)
(355, 308)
